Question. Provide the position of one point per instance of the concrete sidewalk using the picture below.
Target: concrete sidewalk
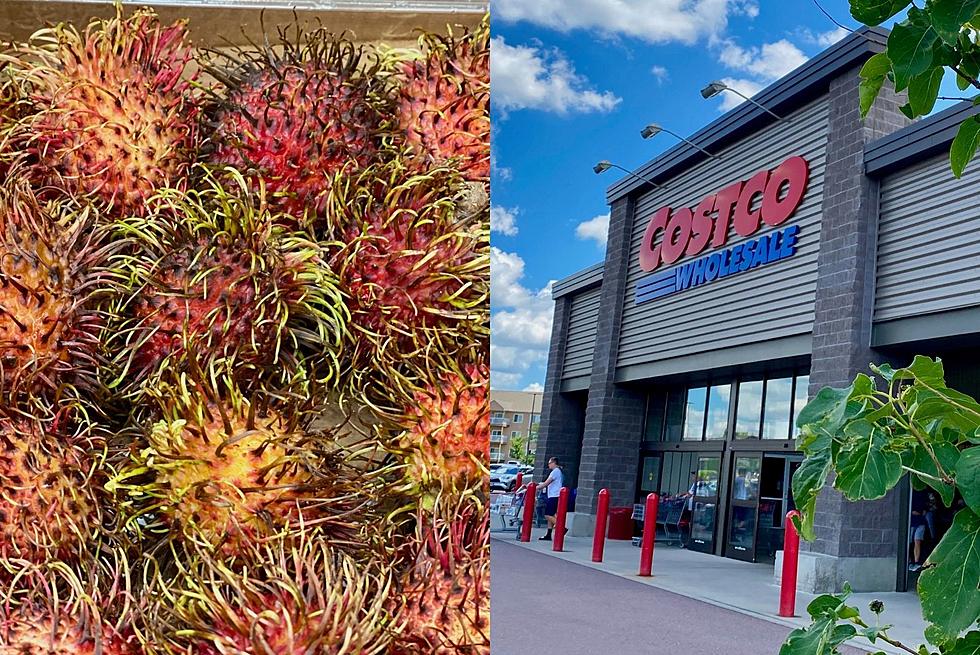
(740, 586)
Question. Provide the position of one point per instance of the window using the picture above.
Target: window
(535, 419)
(494, 453)
(674, 420)
(800, 399)
(514, 434)
(719, 400)
(498, 415)
(518, 418)
(779, 394)
(748, 414)
(697, 399)
(656, 404)
(496, 433)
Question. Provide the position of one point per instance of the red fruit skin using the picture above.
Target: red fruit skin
(443, 105)
(299, 127)
(208, 296)
(38, 632)
(449, 438)
(120, 117)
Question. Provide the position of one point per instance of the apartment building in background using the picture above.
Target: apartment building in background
(513, 414)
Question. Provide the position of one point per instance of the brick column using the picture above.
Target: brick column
(855, 542)
(614, 415)
(560, 432)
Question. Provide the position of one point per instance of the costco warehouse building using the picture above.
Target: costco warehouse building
(740, 285)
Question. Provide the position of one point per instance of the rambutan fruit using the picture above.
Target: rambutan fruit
(287, 596)
(50, 610)
(221, 468)
(444, 602)
(447, 439)
(53, 282)
(298, 114)
(50, 501)
(443, 104)
(213, 273)
(116, 111)
(416, 274)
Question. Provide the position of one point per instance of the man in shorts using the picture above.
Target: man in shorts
(553, 485)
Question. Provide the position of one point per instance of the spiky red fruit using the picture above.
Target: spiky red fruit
(227, 468)
(415, 272)
(49, 505)
(52, 278)
(445, 600)
(298, 116)
(444, 100)
(295, 597)
(41, 632)
(213, 275)
(448, 440)
(116, 112)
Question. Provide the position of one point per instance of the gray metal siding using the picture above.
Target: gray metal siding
(583, 322)
(771, 302)
(928, 256)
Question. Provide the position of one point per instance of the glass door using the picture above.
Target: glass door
(705, 504)
(744, 513)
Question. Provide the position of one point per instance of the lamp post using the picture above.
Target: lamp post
(604, 165)
(653, 129)
(717, 87)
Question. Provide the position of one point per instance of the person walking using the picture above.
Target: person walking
(553, 484)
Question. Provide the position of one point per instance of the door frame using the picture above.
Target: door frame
(730, 550)
(710, 547)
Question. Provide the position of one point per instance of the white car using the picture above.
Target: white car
(504, 478)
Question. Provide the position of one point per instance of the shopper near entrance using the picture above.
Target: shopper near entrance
(553, 484)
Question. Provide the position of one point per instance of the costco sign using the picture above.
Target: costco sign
(768, 198)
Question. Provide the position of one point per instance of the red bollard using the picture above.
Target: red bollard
(529, 496)
(649, 534)
(601, 516)
(518, 480)
(559, 539)
(791, 559)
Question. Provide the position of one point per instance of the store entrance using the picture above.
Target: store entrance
(761, 495)
(704, 514)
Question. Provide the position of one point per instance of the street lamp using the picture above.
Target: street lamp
(716, 87)
(653, 129)
(603, 166)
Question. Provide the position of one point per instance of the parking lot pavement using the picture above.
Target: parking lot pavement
(543, 604)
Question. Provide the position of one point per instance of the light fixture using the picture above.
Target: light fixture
(716, 87)
(653, 129)
(604, 165)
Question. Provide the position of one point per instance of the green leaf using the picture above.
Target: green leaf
(924, 90)
(824, 605)
(948, 455)
(828, 401)
(808, 480)
(927, 370)
(948, 584)
(949, 16)
(968, 644)
(910, 50)
(847, 612)
(875, 12)
(873, 75)
(810, 641)
(968, 477)
(865, 469)
(964, 145)
(841, 634)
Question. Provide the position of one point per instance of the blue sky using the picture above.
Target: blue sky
(573, 82)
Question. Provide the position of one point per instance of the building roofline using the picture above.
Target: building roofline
(791, 91)
(918, 141)
(579, 281)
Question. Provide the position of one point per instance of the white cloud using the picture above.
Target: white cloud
(596, 228)
(824, 39)
(660, 74)
(501, 172)
(767, 62)
(528, 77)
(653, 21)
(520, 325)
(732, 100)
(758, 67)
(503, 220)
(534, 387)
